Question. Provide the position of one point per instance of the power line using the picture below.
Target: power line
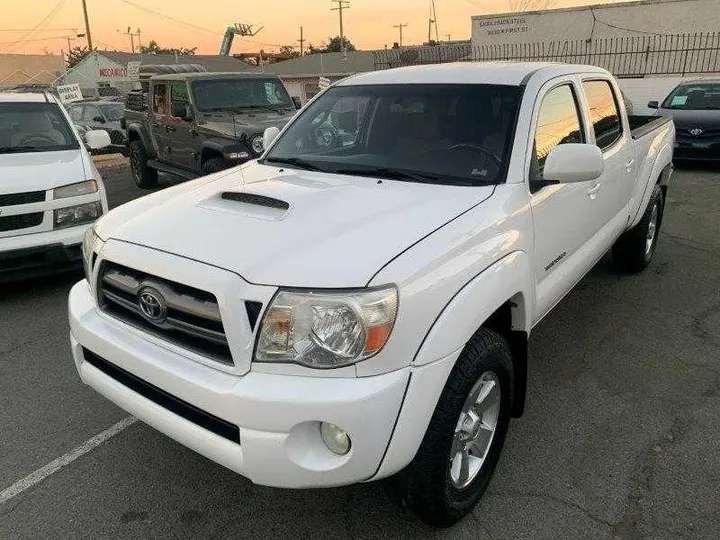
(45, 19)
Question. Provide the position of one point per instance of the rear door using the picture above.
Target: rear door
(157, 121)
(565, 215)
(611, 133)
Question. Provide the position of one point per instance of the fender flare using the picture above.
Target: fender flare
(509, 279)
(137, 129)
(223, 146)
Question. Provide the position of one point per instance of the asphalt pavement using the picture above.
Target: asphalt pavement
(620, 439)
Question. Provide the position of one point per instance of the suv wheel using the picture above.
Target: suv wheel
(462, 445)
(634, 250)
(214, 165)
(144, 176)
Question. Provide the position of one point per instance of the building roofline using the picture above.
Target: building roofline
(631, 3)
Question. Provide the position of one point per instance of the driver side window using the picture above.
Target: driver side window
(558, 123)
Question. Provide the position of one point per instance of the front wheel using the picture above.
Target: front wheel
(145, 177)
(462, 445)
(634, 250)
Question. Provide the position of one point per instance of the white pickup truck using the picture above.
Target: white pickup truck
(356, 304)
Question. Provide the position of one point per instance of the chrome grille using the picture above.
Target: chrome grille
(178, 313)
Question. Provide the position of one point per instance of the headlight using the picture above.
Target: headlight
(76, 215)
(75, 190)
(326, 329)
(257, 144)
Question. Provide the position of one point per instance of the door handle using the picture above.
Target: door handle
(592, 192)
(629, 165)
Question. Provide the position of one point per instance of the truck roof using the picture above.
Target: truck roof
(205, 75)
(506, 73)
(27, 97)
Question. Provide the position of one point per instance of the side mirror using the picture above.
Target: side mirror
(180, 110)
(296, 101)
(653, 105)
(99, 119)
(569, 163)
(97, 139)
(269, 136)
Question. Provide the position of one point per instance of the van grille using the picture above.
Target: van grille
(20, 221)
(181, 314)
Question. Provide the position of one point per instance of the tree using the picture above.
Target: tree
(287, 52)
(76, 55)
(154, 48)
(335, 44)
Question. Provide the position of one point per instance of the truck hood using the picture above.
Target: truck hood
(687, 120)
(40, 171)
(234, 126)
(309, 229)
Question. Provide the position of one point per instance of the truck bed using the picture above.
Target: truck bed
(641, 125)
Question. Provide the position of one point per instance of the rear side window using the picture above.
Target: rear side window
(160, 99)
(603, 113)
(558, 122)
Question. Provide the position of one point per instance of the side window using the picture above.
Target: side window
(603, 113)
(76, 113)
(160, 99)
(558, 122)
(91, 113)
(178, 93)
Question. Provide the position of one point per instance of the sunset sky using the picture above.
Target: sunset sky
(368, 23)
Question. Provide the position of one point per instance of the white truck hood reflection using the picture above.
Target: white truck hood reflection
(337, 232)
(40, 171)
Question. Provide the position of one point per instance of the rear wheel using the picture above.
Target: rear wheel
(634, 250)
(145, 177)
(462, 445)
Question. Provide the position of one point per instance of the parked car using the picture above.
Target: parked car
(695, 108)
(50, 191)
(192, 124)
(336, 313)
(102, 114)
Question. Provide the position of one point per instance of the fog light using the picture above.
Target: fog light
(335, 438)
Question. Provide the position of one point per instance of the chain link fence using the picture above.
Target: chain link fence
(676, 54)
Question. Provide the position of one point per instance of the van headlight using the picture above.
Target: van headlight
(326, 329)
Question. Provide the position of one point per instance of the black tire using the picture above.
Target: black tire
(145, 177)
(634, 250)
(425, 486)
(213, 165)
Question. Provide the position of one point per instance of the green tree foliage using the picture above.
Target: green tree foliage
(154, 48)
(335, 44)
(76, 55)
(287, 52)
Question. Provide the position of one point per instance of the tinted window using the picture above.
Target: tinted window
(432, 133)
(76, 113)
(91, 113)
(240, 93)
(113, 111)
(160, 103)
(696, 96)
(603, 112)
(558, 122)
(34, 127)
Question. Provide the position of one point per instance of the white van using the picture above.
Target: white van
(50, 190)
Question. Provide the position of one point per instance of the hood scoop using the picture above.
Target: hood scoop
(255, 199)
(252, 205)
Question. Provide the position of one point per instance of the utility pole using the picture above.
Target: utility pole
(434, 20)
(430, 22)
(342, 4)
(301, 40)
(400, 27)
(132, 36)
(87, 26)
(448, 36)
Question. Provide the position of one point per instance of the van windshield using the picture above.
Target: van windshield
(241, 93)
(430, 133)
(694, 97)
(34, 127)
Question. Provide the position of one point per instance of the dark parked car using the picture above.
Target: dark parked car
(695, 108)
(103, 114)
(192, 124)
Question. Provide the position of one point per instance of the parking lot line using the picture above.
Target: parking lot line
(54, 466)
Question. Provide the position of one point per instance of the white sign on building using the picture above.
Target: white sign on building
(69, 93)
(133, 71)
(323, 83)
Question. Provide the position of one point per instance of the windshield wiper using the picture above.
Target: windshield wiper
(391, 174)
(297, 162)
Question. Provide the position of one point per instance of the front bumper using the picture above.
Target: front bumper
(277, 416)
(688, 149)
(32, 255)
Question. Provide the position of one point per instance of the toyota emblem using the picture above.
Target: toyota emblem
(696, 131)
(152, 305)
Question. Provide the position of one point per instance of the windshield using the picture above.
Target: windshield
(694, 97)
(34, 127)
(113, 112)
(223, 94)
(450, 134)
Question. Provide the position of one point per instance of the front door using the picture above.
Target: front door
(181, 133)
(158, 122)
(565, 215)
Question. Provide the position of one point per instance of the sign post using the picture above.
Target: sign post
(68, 93)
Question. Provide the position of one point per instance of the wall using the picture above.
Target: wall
(29, 69)
(96, 69)
(619, 20)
